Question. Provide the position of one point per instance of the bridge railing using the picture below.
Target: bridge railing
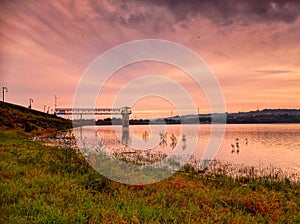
(91, 111)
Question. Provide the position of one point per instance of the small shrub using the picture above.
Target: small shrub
(30, 127)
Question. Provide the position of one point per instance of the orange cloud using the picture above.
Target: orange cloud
(253, 49)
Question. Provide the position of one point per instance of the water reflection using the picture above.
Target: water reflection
(244, 144)
(145, 136)
(125, 136)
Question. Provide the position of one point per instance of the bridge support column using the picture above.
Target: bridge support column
(125, 111)
(125, 120)
(125, 136)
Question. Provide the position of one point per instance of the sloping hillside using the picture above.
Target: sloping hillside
(18, 117)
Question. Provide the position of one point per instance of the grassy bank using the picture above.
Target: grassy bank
(28, 120)
(43, 184)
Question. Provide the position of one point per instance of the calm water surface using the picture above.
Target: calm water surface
(248, 144)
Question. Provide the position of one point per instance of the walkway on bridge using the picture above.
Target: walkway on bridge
(124, 111)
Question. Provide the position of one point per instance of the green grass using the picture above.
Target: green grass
(43, 184)
(29, 120)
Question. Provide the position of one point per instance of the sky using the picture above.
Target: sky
(252, 48)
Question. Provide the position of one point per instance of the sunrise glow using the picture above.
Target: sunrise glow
(255, 55)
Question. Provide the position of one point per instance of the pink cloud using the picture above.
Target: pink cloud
(46, 46)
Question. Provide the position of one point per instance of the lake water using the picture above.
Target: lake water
(247, 144)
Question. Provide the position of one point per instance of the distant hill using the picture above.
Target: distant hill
(17, 117)
(266, 116)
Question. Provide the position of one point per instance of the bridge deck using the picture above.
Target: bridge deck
(93, 111)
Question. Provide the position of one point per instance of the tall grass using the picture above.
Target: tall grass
(55, 184)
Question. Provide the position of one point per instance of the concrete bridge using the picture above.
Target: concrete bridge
(124, 111)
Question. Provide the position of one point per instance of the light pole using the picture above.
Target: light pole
(30, 101)
(4, 90)
(55, 102)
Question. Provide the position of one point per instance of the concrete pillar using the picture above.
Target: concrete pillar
(125, 120)
(125, 136)
(125, 111)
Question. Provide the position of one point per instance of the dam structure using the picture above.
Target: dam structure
(124, 111)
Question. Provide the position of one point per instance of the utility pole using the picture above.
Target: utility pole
(30, 101)
(55, 102)
(4, 90)
(44, 108)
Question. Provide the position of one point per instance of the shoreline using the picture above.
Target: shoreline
(62, 187)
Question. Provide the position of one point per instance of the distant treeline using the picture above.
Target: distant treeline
(118, 121)
(275, 118)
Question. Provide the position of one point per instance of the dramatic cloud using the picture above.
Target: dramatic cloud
(251, 46)
(227, 12)
(270, 71)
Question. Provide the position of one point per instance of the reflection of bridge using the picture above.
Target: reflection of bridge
(124, 111)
